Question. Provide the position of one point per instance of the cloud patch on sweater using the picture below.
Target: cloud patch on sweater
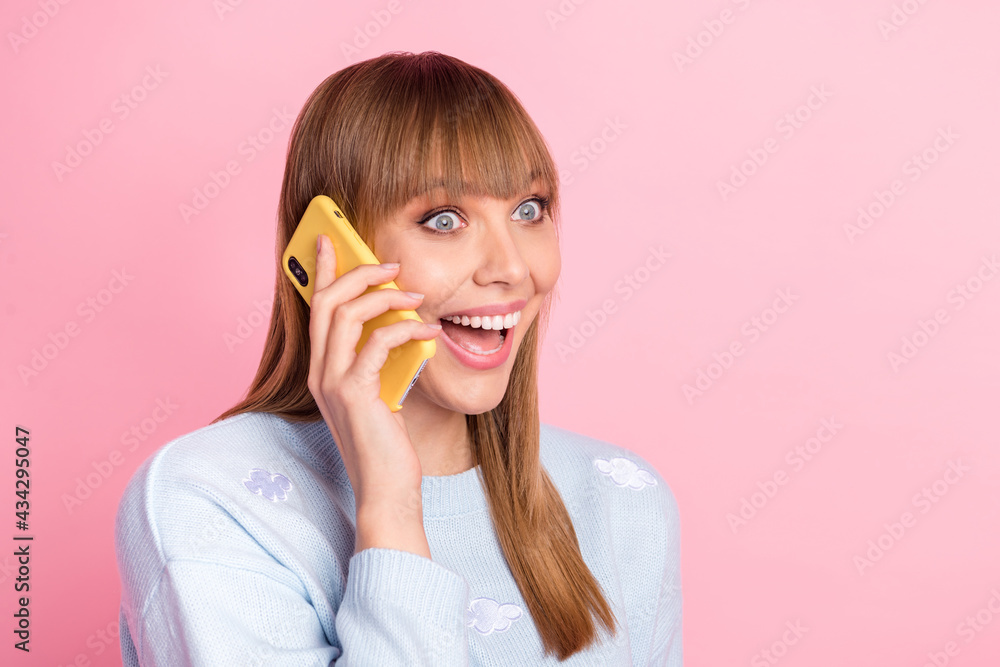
(273, 487)
(624, 472)
(487, 615)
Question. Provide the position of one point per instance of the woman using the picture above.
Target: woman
(309, 524)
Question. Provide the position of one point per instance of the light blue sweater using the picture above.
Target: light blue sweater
(235, 546)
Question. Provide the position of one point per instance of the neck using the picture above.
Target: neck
(439, 436)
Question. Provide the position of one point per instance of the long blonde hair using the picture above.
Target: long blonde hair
(371, 137)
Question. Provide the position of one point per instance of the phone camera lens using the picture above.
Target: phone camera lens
(300, 274)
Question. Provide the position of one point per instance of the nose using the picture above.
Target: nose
(502, 259)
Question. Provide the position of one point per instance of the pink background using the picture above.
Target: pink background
(677, 129)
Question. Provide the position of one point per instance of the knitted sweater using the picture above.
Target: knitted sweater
(235, 546)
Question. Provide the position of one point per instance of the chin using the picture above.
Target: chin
(477, 395)
(466, 391)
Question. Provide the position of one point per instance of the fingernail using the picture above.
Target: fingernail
(389, 265)
(416, 295)
(319, 243)
(433, 326)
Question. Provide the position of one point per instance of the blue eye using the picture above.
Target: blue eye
(529, 209)
(533, 209)
(447, 221)
(442, 222)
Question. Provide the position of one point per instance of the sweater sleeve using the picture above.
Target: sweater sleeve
(205, 583)
(666, 650)
(204, 613)
(398, 609)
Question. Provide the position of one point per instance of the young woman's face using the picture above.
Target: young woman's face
(486, 253)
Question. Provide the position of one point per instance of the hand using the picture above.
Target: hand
(374, 444)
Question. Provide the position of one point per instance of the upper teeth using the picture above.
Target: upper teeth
(496, 322)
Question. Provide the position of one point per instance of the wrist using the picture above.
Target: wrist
(392, 524)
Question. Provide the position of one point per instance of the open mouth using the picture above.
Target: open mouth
(475, 339)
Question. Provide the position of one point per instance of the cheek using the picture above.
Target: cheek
(546, 266)
(437, 278)
(443, 278)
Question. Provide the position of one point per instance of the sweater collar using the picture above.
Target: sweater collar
(442, 496)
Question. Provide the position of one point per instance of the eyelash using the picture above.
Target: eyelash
(543, 202)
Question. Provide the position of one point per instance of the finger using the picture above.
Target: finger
(328, 294)
(376, 350)
(327, 297)
(319, 309)
(349, 320)
(326, 263)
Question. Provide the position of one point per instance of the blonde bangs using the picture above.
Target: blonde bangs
(450, 128)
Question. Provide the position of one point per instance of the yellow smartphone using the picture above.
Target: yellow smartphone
(323, 216)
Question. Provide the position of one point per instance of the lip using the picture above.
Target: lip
(491, 310)
(477, 361)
